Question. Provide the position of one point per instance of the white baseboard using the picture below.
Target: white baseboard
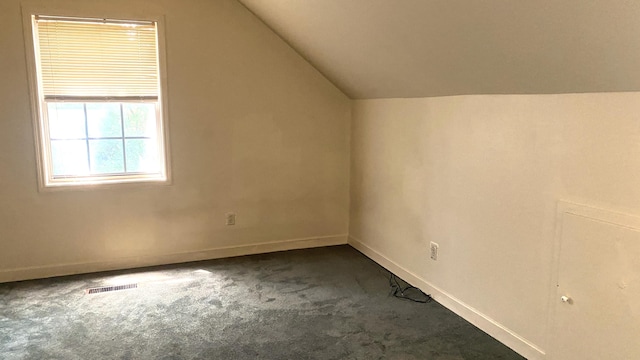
(480, 320)
(37, 272)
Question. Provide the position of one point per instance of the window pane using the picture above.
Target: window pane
(99, 90)
(141, 155)
(139, 119)
(103, 120)
(66, 120)
(69, 157)
(106, 156)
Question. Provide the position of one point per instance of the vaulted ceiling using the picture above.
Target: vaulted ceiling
(419, 48)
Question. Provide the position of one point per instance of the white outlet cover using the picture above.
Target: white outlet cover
(230, 218)
(433, 248)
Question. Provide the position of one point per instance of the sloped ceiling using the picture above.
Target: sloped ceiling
(419, 48)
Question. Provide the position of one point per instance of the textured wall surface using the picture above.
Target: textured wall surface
(254, 129)
(420, 48)
(481, 176)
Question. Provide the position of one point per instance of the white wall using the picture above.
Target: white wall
(254, 129)
(481, 176)
(413, 48)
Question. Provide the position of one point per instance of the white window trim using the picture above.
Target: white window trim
(45, 178)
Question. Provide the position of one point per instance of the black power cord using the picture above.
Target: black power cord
(405, 292)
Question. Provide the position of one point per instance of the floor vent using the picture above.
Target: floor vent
(102, 289)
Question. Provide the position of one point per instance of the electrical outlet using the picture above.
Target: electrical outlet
(434, 250)
(230, 218)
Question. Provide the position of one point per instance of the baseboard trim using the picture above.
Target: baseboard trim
(480, 320)
(38, 272)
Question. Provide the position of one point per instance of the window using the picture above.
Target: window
(99, 103)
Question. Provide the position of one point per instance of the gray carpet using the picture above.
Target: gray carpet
(326, 303)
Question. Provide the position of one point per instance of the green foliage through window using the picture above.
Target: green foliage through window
(103, 138)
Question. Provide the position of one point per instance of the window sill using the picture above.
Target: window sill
(74, 184)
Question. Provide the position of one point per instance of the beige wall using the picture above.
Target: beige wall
(421, 48)
(481, 176)
(254, 129)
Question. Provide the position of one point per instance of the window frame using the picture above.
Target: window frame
(46, 180)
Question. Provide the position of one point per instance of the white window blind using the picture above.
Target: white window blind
(100, 112)
(100, 59)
